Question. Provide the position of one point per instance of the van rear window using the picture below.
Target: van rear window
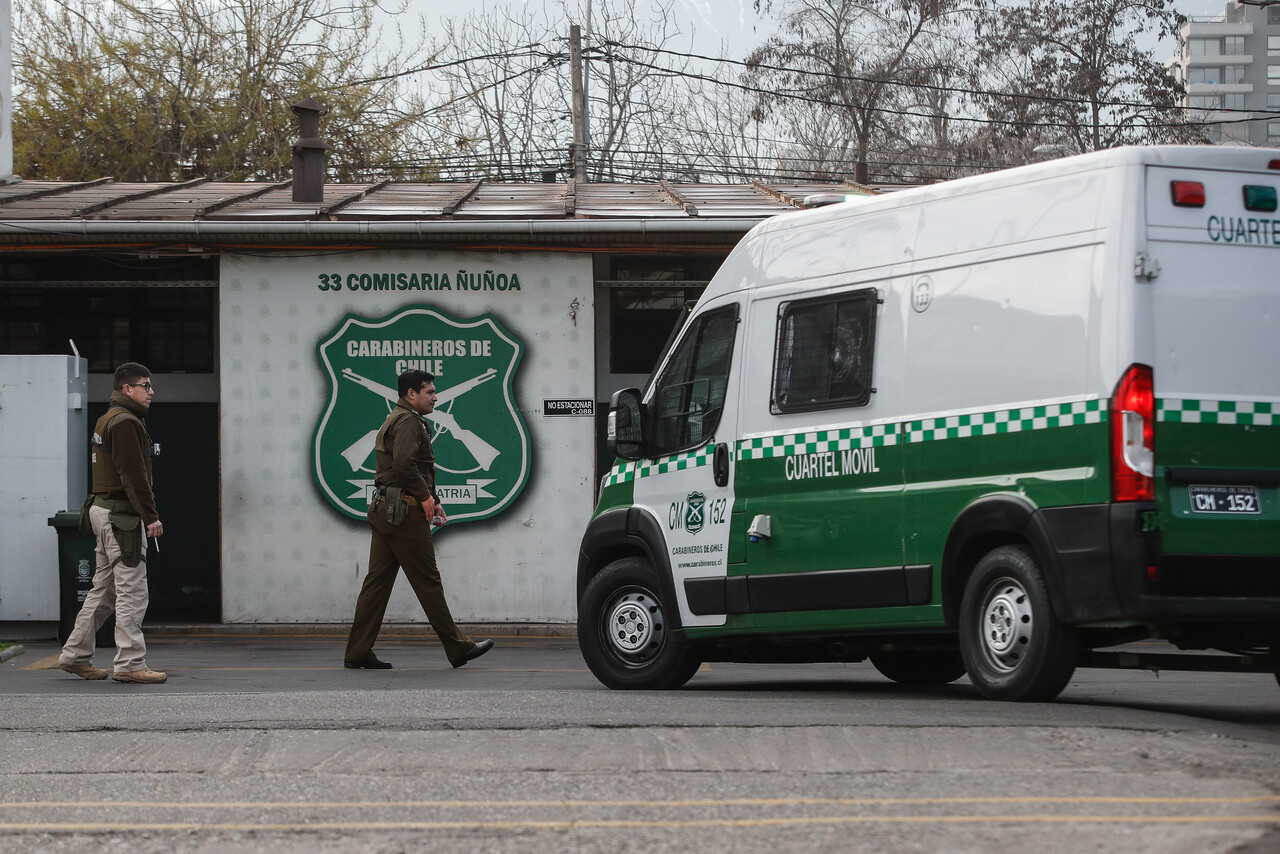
(823, 352)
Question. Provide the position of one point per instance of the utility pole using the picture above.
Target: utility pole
(586, 84)
(578, 108)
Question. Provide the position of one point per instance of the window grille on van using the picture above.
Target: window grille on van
(823, 352)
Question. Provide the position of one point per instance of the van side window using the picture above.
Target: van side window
(689, 395)
(822, 357)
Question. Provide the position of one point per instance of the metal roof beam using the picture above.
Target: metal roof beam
(55, 191)
(133, 197)
(685, 205)
(242, 197)
(456, 202)
(354, 197)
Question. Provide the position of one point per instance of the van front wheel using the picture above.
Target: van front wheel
(624, 634)
(1014, 647)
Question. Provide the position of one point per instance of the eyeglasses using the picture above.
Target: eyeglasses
(146, 386)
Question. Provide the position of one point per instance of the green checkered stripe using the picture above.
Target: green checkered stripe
(1190, 411)
(1070, 414)
(624, 472)
(765, 447)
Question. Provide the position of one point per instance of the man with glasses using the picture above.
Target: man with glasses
(122, 515)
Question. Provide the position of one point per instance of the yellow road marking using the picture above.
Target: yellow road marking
(696, 802)
(44, 663)
(574, 824)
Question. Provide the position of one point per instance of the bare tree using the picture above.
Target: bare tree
(1076, 76)
(841, 71)
(506, 89)
(146, 90)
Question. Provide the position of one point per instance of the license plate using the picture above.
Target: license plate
(1231, 500)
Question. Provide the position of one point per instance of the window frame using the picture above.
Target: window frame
(868, 295)
(696, 327)
(1204, 72)
(1201, 102)
(1204, 42)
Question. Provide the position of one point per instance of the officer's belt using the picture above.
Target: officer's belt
(114, 506)
(382, 495)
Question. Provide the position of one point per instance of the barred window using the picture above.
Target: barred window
(823, 353)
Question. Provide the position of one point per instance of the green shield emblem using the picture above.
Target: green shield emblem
(478, 436)
(695, 512)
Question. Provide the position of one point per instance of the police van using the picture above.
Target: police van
(994, 426)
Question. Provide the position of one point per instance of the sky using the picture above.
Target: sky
(731, 24)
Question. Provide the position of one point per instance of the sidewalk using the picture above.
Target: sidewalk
(271, 657)
(389, 630)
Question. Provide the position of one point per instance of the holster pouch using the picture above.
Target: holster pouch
(129, 533)
(396, 507)
(86, 528)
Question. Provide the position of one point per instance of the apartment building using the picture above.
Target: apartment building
(1230, 65)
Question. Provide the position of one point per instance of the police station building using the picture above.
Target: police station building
(275, 319)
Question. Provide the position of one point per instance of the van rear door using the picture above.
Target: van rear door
(1214, 314)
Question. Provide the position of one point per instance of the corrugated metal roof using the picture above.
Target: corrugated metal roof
(201, 199)
(208, 213)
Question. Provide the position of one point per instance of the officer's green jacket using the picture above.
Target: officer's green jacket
(121, 467)
(403, 455)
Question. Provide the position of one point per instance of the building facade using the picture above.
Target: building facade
(1230, 65)
(275, 329)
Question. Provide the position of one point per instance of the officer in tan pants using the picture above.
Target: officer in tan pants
(400, 518)
(123, 515)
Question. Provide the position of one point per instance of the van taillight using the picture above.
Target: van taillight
(1133, 431)
(1187, 194)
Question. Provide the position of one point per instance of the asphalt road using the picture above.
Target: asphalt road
(266, 744)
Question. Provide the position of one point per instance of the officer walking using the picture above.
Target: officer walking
(400, 517)
(122, 516)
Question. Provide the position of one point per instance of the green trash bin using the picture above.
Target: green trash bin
(75, 576)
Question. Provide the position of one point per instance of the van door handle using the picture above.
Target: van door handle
(720, 464)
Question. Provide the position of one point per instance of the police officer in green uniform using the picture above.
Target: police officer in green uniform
(401, 516)
(122, 515)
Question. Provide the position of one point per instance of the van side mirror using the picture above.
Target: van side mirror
(625, 433)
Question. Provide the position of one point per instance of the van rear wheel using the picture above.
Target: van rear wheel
(919, 667)
(1014, 647)
(624, 633)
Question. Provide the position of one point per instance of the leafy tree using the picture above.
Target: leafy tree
(154, 90)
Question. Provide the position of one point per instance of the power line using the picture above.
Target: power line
(957, 90)
(795, 96)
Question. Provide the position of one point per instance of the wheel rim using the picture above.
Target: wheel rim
(1006, 624)
(633, 627)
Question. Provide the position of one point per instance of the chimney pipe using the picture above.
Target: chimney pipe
(308, 152)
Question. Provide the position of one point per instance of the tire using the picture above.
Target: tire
(623, 630)
(911, 667)
(1014, 647)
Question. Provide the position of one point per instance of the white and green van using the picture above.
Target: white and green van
(993, 426)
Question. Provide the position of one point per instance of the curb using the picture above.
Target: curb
(410, 630)
(12, 652)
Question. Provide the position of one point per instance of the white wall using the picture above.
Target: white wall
(44, 443)
(287, 553)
